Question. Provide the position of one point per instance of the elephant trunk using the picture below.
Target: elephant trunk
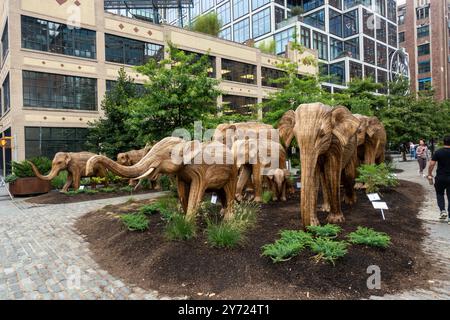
(121, 170)
(309, 189)
(51, 175)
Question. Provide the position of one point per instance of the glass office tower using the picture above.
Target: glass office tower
(353, 38)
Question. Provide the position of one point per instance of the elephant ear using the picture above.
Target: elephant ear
(286, 128)
(344, 124)
(67, 159)
(373, 126)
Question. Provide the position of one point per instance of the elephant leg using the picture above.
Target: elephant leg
(229, 190)
(349, 182)
(183, 194)
(68, 182)
(283, 191)
(333, 179)
(196, 192)
(325, 194)
(76, 180)
(244, 176)
(257, 182)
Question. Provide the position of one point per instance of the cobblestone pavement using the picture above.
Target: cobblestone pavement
(43, 257)
(437, 244)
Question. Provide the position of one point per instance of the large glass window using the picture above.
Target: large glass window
(225, 33)
(129, 51)
(269, 74)
(351, 47)
(279, 14)
(282, 39)
(424, 84)
(6, 89)
(381, 56)
(391, 10)
(240, 7)
(351, 23)
(196, 8)
(352, 3)
(241, 31)
(261, 23)
(224, 13)
(316, 19)
(320, 43)
(56, 91)
(356, 71)
(238, 71)
(368, 23)
(423, 12)
(401, 37)
(46, 142)
(423, 49)
(336, 48)
(238, 105)
(258, 3)
(4, 45)
(211, 62)
(423, 31)
(382, 78)
(305, 37)
(337, 72)
(336, 3)
(381, 29)
(380, 7)
(43, 35)
(392, 35)
(207, 4)
(369, 51)
(335, 23)
(312, 4)
(369, 73)
(424, 66)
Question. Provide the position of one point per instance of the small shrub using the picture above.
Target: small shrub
(107, 189)
(60, 180)
(98, 180)
(245, 214)
(128, 189)
(22, 169)
(85, 181)
(376, 176)
(149, 208)
(266, 196)
(369, 237)
(296, 236)
(328, 230)
(210, 212)
(87, 191)
(11, 178)
(113, 178)
(282, 250)
(328, 249)
(180, 228)
(223, 235)
(135, 221)
(166, 206)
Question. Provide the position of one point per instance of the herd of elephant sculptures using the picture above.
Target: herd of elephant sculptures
(332, 143)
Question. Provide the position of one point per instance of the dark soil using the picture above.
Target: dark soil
(56, 197)
(194, 269)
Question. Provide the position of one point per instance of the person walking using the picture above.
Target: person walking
(412, 150)
(442, 180)
(422, 156)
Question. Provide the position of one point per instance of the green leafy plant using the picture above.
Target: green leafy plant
(266, 196)
(11, 178)
(150, 209)
(328, 250)
(135, 221)
(224, 235)
(208, 23)
(107, 189)
(60, 180)
(376, 176)
(128, 189)
(296, 236)
(369, 237)
(328, 230)
(291, 243)
(85, 181)
(180, 228)
(211, 212)
(98, 180)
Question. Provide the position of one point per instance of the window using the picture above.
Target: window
(258, 3)
(392, 35)
(401, 37)
(423, 13)
(46, 142)
(195, 9)
(261, 23)
(351, 23)
(381, 29)
(337, 72)
(351, 48)
(424, 66)
(381, 56)
(336, 3)
(369, 51)
(391, 10)
(238, 71)
(43, 35)
(424, 84)
(352, 3)
(129, 51)
(312, 4)
(241, 31)
(368, 23)
(355, 70)
(224, 13)
(320, 43)
(423, 31)
(335, 23)
(316, 19)
(207, 4)
(401, 19)
(56, 91)
(369, 73)
(282, 39)
(380, 7)
(225, 33)
(139, 87)
(336, 48)
(382, 78)
(4, 45)
(238, 105)
(305, 37)
(269, 74)
(211, 62)
(240, 7)
(423, 49)
(279, 14)
(6, 89)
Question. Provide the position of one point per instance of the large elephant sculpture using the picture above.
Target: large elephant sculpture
(132, 157)
(372, 139)
(75, 164)
(327, 142)
(185, 160)
(256, 159)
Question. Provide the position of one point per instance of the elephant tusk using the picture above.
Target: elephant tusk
(145, 174)
(138, 185)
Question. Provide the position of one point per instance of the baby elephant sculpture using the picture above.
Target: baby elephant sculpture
(372, 139)
(185, 160)
(75, 164)
(278, 181)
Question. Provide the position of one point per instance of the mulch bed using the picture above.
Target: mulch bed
(56, 197)
(194, 269)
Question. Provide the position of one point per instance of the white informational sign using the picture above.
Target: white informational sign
(81, 188)
(214, 198)
(373, 196)
(380, 205)
(299, 185)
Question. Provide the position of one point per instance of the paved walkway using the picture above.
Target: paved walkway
(43, 257)
(437, 244)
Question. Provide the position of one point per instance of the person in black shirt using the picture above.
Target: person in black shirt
(442, 180)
